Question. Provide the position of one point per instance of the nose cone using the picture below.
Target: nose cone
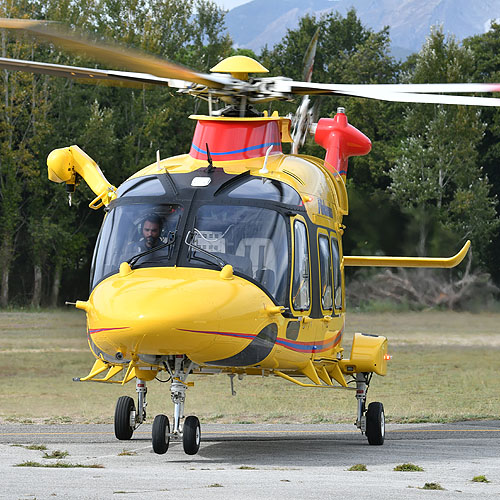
(170, 311)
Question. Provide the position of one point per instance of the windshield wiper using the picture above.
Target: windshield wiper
(171, 240)
(189, 238)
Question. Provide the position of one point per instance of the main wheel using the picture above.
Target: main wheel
(191, 435)
(125, 408)
(161, 434)
(375, 423)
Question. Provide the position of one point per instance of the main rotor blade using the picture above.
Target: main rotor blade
(111, 54)
(425, 88)
(427, 98)
(309, 57)
(396, 93)
(90, 74)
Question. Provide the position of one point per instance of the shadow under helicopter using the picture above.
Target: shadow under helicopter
(452, 442)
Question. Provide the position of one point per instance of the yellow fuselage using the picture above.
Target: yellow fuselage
(196, 312)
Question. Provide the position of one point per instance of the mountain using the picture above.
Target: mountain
(265, 22)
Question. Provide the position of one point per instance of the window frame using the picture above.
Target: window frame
(334, 240)
(293, 223)
(323, 234)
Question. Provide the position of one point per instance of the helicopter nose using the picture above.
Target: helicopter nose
(166, 310)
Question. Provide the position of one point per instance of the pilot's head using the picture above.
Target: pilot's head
(151, 229)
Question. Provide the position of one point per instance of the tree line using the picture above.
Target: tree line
(430, 182)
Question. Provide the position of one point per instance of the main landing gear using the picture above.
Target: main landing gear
(369, 421)
(127, 419)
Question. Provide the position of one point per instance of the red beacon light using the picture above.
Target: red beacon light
(341, 140)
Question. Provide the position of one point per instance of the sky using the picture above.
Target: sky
(230, 4)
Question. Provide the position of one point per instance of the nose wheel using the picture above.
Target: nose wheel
(190, 431)
(191, 435)
(161, 434)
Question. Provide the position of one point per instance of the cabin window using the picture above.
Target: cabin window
(301, 277)
(125, 232)
(337, 280)
(261, 188)
(325, 266)
(252, 240)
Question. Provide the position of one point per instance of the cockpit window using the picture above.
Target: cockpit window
(130, 230)
(252, 240)
(266, 189)
(150, 186)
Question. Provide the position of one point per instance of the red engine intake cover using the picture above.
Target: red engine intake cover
(341, 141)
(235, 140)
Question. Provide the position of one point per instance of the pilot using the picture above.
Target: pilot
(151, 230)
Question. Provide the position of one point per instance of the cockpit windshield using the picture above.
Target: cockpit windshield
(252, 239)
(241, 224)
(131, 230)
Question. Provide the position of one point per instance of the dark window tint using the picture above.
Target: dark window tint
(337, 281)
(325, 266)
(125, 233)
(252, 239)
(150, 186)
(266, 189)
(301, 279)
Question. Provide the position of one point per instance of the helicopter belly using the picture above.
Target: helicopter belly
(188, 311)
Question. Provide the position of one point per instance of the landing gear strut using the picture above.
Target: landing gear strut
(372, 421)
(179, 369)
(127, 419)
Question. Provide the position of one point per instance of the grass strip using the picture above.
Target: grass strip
(56, 454)
(428, 379)
(59, 465)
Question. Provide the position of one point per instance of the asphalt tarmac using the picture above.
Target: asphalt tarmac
(253, 462)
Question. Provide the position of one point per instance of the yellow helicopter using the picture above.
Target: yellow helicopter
(228, 259)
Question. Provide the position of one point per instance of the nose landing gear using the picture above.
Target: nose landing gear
(190, 431)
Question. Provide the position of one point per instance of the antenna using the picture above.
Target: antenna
(158, 159)
(210, 167)
(264, 170)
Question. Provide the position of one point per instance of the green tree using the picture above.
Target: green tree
(349, 52)
(46, 244)
(485, 49)
(23, 130)
(437, 174)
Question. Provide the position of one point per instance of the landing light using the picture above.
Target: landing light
(201, 181)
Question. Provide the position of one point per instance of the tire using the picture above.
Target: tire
(123, 428)
(161, 434)
(375, 424)
(191, 435)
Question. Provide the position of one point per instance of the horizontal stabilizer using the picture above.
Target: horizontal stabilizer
(442, 262)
